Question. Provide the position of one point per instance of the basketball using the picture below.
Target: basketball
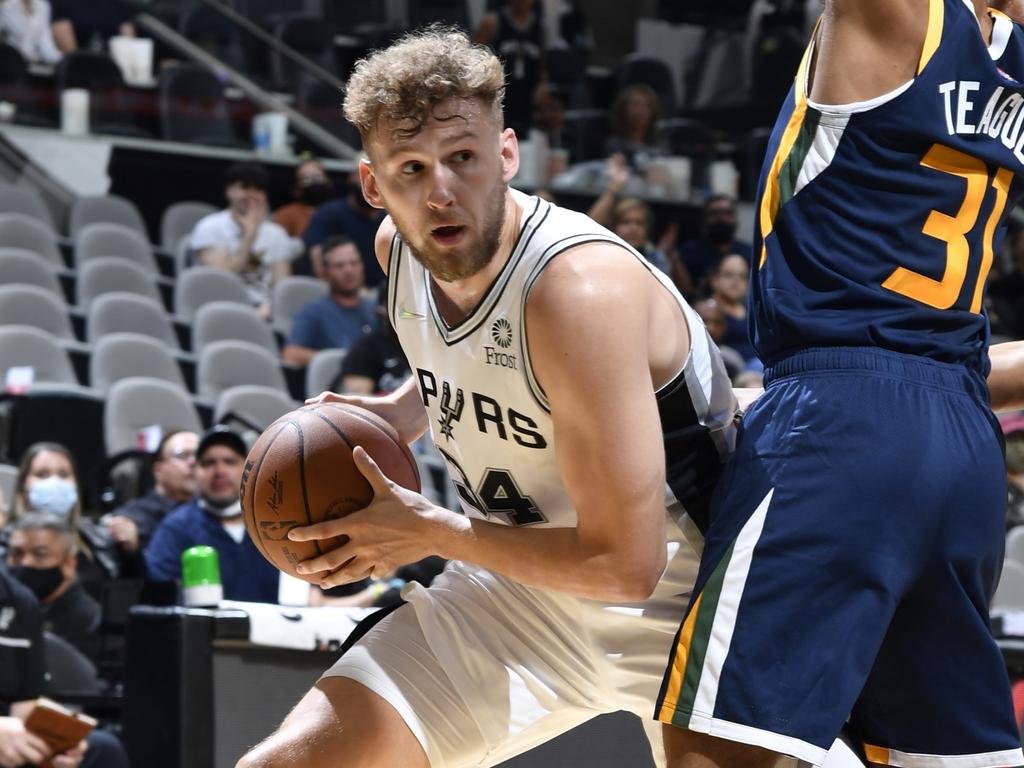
(300, 471)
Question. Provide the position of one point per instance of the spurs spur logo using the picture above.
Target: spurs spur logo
(451, 413)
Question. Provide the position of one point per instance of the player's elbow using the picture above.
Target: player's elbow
(637, 584)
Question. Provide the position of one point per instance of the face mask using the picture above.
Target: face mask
(54, 494)
(1015, 456)
(43, 582)
(314, 194)
(233, 509)
(721, 232)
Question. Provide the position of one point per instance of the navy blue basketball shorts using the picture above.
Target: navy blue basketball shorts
(855, 543)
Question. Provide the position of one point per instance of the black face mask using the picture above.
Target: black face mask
(314, 194)
(721, 232)
(42, 582)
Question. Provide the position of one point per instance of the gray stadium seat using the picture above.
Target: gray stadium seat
(220, 320)
(129, 312)
(256, 404)
(23, 345)
(15, 198)
(111, 274)
(1010, 593)
(8, 482)
(138, 402)
(225, 364)
(1015, 544)
(95, 240)
(119, 356)
(179, 219)
(290, 295)
(20, 231)
(323, 369)
(109, 209)
(38, 307)
(19, 266)
(197, 286)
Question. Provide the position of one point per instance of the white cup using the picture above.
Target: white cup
(270, 133)
(74, 112)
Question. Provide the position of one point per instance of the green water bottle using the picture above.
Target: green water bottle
(200, 577)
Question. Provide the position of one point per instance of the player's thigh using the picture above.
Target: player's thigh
(689, 749)
(339, 716)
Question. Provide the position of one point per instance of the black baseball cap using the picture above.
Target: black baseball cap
(221, 434)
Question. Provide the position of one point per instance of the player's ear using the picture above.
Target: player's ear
(368, 181)
(509, 155)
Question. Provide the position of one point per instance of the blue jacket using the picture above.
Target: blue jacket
(245, 573)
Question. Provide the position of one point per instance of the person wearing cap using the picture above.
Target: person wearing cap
(1013, 433)
(214, 518)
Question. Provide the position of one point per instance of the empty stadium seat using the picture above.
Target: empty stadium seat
(112, 274)
(111, 107)
(193, 108)
(131, 313)
(290, 295)
(258, 406)
(119, 356)
(1010, 593)
(15, 198)
(20, 231)
(18, 266)
(105, 239)
(197, 286)
(8, 482)
(220, 320)
(225, 364)
(136, 403)
(179, 219)
(105, 209)
(1015, 544)
(22, 345)
(323, 369)
(38, 307)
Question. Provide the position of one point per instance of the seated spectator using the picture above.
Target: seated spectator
(174, 483)
(717, 239)
(339, 319)
(79, 25)
(729, 280)
(22, 671)
(352, 217)
(1013, 432)
(376, 363)
(515, 32)
(632, 125)
(312, 188)
(241, 238)
(549, 105)
(214, 518)
(632, 221)
(48, 482)
(43, 556)
(25, 24)
(714, 320)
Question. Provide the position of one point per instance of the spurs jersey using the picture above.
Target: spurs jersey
(488, 415)
(878, 220)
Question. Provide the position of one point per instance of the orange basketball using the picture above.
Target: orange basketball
(300, 471)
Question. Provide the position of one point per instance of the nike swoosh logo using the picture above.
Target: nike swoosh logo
(405, 314)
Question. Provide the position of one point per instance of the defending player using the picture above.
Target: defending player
(859, 531)
(565, 382)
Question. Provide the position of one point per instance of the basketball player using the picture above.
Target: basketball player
(858, 533)
(567, 384)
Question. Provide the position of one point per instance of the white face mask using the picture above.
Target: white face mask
(234, 509)
(53, 494)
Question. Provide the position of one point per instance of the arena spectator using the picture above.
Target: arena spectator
(25, 24)
(729, 280)
(1013, 433)
(339, 319)
(717, 239)
(713, 315)
(515, 32)
(632, 125)
(214, 518)
(22, 670)
(241, 238)
(174, 482)
(352, 217)
(550, 102)
(79, 25)
(376, 363)
(43, 556)
(312, 188)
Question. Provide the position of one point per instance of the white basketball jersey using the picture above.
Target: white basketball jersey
(489, 417)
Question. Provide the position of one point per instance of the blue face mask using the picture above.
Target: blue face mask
(54, 494)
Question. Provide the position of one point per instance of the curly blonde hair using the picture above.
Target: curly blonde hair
(406, 81)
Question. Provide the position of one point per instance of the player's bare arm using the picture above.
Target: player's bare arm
(1006, 379)
(582, 313)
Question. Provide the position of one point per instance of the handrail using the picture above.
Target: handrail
(266, 101)
(263, 36)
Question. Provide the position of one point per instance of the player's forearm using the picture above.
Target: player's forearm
(560, 559)
(1006, 379)
(410, 413)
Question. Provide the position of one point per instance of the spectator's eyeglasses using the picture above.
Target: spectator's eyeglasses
(181, 455)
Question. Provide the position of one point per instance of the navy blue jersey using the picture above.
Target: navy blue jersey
(877, 221)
